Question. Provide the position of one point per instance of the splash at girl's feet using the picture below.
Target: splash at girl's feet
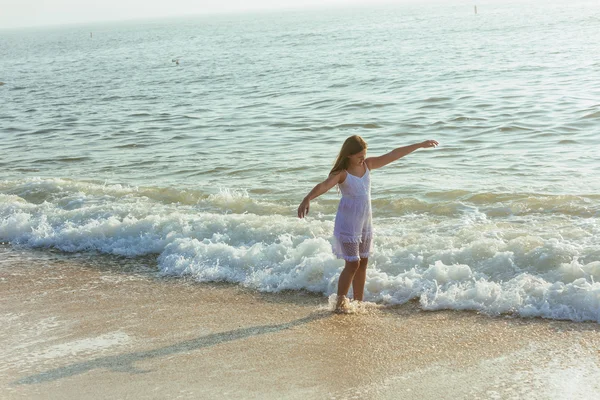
(342, 306)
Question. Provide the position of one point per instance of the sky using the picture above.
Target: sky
(24, 13)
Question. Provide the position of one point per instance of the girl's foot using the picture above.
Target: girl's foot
(342, 306)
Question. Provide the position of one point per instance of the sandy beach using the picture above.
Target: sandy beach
(79, 326)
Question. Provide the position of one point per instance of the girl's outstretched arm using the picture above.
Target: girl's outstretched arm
(378, 162)
(318, 190)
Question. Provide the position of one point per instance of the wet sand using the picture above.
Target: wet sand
(97, 327)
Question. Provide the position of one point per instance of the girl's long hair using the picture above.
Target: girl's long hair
(352, 145)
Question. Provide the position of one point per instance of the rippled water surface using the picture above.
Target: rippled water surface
(106, 144)
(263, 101)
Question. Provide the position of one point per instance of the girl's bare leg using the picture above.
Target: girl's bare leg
(358, 282)
(345, 281)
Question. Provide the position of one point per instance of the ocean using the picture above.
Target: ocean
(109, 146)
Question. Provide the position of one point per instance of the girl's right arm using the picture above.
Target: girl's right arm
(318, 190)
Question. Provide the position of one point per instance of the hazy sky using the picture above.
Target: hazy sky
(18, 13)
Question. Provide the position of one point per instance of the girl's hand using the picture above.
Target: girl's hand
(429, 143)
(303, 208)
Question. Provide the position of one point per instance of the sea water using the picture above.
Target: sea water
(108, 145)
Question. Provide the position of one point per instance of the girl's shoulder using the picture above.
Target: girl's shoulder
(341, 175)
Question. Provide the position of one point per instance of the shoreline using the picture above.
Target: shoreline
(92, 326)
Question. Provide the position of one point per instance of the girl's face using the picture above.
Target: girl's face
(358, 158)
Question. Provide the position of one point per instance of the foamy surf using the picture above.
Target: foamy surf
(351, 306)
(540, 264)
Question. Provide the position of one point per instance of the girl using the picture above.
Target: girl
(353, 231)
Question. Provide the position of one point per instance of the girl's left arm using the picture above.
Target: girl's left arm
(378, 162)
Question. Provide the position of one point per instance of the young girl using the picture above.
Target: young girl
(353, 231)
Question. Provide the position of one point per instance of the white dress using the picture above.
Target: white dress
(353, 230)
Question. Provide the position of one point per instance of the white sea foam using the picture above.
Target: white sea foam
(468, 262)
(351, 306)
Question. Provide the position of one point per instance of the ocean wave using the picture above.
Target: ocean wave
(36, 191)
(450, 203)
(463, 261)
(349, 126)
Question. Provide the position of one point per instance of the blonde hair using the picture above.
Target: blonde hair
(353, 145)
